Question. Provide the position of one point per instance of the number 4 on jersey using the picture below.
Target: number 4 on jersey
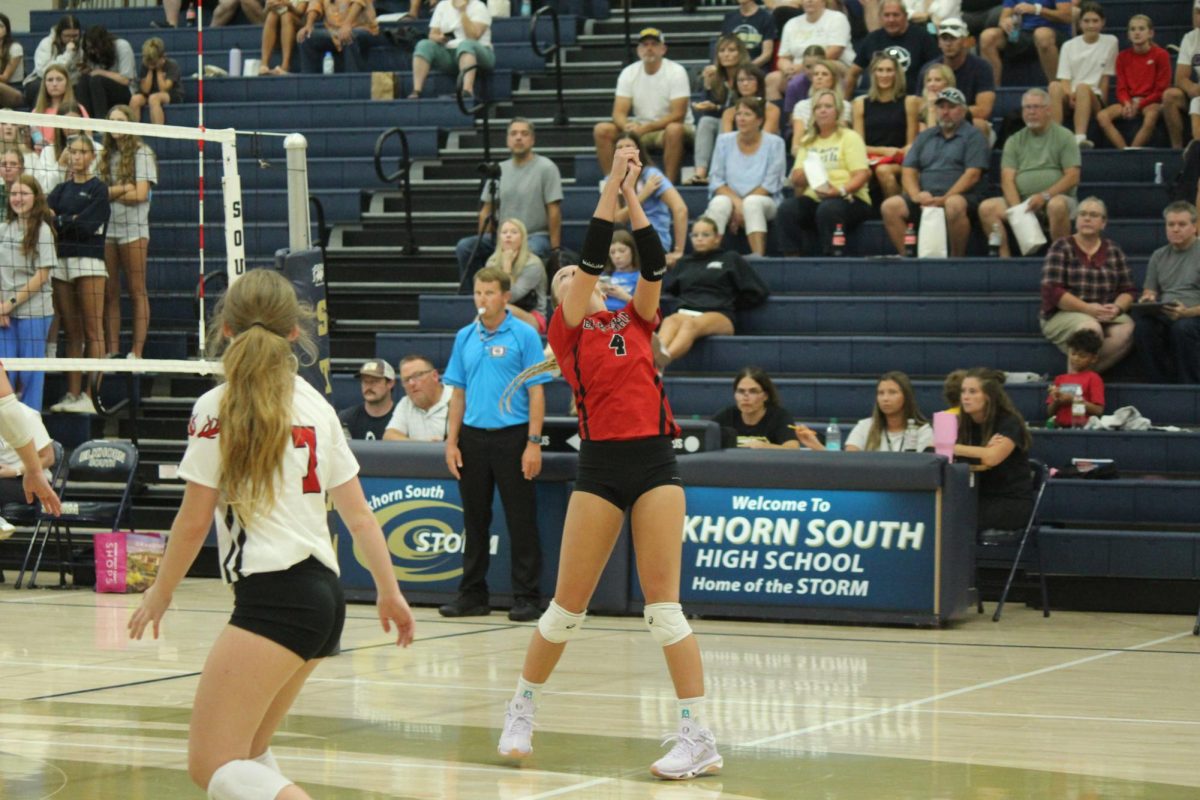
(617, 344)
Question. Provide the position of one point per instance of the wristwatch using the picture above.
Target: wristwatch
(535, 438)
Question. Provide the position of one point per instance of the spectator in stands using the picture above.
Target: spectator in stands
(972, 75)
(1169, 341)
(886, 119)
(349, 28)
(27, 255)
(943, 169)
(527, 298)
(910, 45)
(1084, 68)
(415, 11)
(937, 78)
(226, 10)
(710, 285)
(1087, 283)
(784, 11)
(529, 189)
(1143, 75)
(460, 37)
(81, 212)
(53, 166)
(12, 66)
(819, 25)
(824, 75)
(751, 82)
(130, 170)
(992, 433)
(159, 82)
(56, 95)
(758, 418)
(652, 100)
(952, 390)
(929, 13)
(421, 414)
(1083, 348)
(801, 82)
(661, 202)
(1185, 94)
(755, 27)
(1040, 167)
(370, 418)
(979, 15)
(841, 199)
(621, 271)
(1036, 26)
(107, 71)
(12, 166)
(61, 47)
(284, 18)
(885, 429)
(747, 177)
(718, 81)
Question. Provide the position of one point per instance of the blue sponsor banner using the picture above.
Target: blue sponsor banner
(828, 548)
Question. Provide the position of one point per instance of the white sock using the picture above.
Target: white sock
(532, 692)
(691, 709)
(267, 759)
(1079, 137)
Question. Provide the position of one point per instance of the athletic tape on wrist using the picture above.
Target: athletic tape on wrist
(650, 252)
(12, 423)
(595, 246)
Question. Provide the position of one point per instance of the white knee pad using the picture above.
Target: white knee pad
(267, 759)
(13, 427)
(558, 625)
(245, 780)
(666, 623)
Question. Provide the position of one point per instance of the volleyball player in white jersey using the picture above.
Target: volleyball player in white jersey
(263, 449)
(15, 431)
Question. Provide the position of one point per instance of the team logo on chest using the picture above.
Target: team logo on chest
(618, 323)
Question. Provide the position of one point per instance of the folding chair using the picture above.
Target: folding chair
(97, 461)
(26, 513)
(1029, 538)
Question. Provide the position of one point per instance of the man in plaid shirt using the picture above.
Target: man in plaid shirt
(1086, 283)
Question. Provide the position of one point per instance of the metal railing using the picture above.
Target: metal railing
(402, 178)
(560, 118)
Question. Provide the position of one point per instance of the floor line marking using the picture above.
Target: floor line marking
(570, 789)
(955, 693)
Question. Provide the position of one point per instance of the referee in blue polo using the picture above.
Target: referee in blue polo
(489, 447)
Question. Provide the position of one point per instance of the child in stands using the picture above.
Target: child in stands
(1083, 349)
(1143, 74)
(1084, 68)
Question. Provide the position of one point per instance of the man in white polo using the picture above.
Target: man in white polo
(421, 415)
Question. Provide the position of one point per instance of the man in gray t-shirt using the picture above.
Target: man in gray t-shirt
(529, 189)
(1168, 338)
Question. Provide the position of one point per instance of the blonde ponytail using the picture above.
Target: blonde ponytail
(550, 365)
(256, 323)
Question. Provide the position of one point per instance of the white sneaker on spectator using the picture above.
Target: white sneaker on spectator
(695, 753)
(82, 404)
(516, 740)
(65, 400)
(7, 529)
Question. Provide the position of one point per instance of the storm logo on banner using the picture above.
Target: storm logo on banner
(423, 533)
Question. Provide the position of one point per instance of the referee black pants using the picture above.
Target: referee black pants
(492, 459)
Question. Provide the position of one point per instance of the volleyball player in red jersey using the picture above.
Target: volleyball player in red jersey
(626, 461)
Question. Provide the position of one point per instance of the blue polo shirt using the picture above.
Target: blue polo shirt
(484, 362)
(941, 161)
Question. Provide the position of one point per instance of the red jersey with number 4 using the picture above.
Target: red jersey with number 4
(608, 363)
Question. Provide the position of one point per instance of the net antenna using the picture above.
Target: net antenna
(234, 224)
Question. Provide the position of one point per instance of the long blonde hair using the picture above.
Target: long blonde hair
(43, 98)
(813, 132)
(127, 147)
(255, 322)
(521, 259)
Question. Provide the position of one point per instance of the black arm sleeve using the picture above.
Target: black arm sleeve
(650, 252)
(595, 246)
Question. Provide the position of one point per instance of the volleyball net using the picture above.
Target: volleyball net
(118, 238)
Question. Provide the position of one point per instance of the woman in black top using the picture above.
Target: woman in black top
(886, 118)
(710, 284)
(756, 415)
(992, 433)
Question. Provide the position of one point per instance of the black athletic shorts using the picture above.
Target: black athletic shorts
(622, 471)
(301, 608)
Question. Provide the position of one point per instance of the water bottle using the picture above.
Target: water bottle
(839, 241)
(190, 17)
(1078, 409)
(911, 437)
(327, 63)
(39, 139)
(994, 239)
(1158, 178)
(833, 435)
(910, 241)
(526, 10)
(1015, 33)
(235, 62)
